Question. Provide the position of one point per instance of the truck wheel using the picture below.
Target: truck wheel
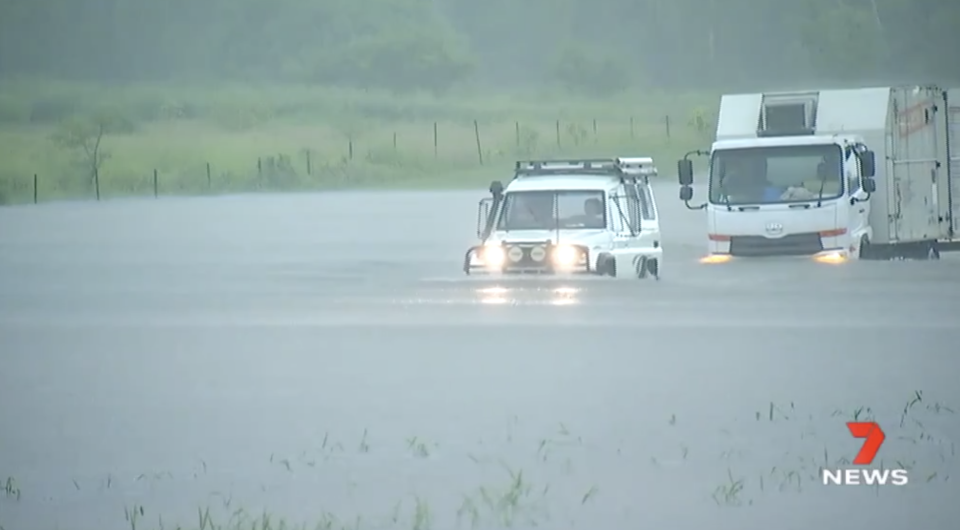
(653, 267)
(865, 248)
(606, 265)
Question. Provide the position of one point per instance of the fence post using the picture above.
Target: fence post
(259, 167)
(156, 185)
(436, 142)
(666, 122)
(96, 181)
(350, 149)
(309, 169)
(476, 133)
(209, 180)
(36, 193)
(594, 130)
(558, 135)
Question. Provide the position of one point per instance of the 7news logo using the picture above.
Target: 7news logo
(874, 437)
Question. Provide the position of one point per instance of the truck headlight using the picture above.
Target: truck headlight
(830, 257)
(493, 256)
(565, 256)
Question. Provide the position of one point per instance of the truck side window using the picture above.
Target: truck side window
(851, 167)
(633, 206)
(646, 205)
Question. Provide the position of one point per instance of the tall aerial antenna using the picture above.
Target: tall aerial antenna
(556, 215)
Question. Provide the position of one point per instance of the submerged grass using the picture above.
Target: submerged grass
(518, 500)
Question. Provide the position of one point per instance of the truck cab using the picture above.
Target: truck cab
(789, 196)
(829, 174)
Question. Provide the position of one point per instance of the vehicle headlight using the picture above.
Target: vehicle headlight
(538, 254)
(565, 256)
(830, 257)
(493, 256)
(715, 258)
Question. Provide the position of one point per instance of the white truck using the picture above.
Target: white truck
(570, 217)
(869, 173)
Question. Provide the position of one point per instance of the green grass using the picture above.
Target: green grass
(294, 138)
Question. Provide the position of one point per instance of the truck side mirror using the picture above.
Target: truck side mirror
(686, 193)
(685, 171)
(483, 214)
(869, 185)
(868, 164)
(496, 187)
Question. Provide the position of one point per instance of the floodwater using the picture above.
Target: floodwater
(322, 359)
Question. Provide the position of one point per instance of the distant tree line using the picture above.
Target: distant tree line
(592, 46)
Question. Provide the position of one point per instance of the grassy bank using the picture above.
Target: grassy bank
(228, 139)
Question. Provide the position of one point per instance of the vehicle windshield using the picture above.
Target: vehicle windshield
(550, 210)
(771, 175)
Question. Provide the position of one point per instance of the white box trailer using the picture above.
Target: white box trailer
(950, 187)
(907, 137)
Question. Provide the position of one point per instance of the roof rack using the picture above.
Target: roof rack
(622, 167)
(592, 166)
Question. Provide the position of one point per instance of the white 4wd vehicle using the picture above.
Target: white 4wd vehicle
(571, 217)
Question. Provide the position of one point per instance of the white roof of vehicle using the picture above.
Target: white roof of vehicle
(563, 183)
(777, 141)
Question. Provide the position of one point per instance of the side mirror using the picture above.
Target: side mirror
(868, 164)
(685, 171)
(869, 185)
(496, 187)
(686, 193)
(483, 215)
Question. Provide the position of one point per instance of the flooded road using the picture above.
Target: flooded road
(323, 359)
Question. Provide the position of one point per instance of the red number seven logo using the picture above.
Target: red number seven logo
(874, 439)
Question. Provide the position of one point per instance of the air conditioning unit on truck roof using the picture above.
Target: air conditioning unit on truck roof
(835, 174)
(787, 114)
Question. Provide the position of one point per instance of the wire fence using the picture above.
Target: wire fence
(368, 158)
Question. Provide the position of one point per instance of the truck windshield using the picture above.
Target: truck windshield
(771, 175)
(549, 210)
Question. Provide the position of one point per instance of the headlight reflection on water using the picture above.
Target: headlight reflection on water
(565, 296)
(502, 295)
(493, 295)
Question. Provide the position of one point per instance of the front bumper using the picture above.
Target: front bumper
(832, 256)
(800, 246)
(540, 257)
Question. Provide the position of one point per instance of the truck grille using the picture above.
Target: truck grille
(789, 245)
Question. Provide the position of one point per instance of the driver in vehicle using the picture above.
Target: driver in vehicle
(746, 182)
(593, 212)
(592, 216)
